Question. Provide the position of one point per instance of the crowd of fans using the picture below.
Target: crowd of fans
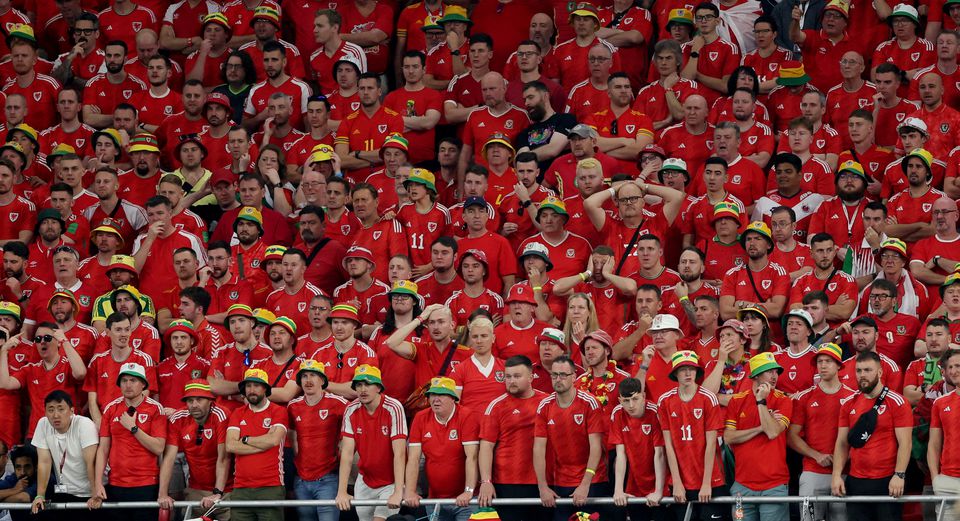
(371, 249)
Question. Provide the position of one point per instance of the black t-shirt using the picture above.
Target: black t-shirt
(540, 133)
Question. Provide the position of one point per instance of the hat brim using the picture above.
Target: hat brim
(725, 215)
(423, 182)
(146, 383)
(443, 392)
(538, 254)
(326, 380)
(673, 372)
(499, 142)
(143, 148)
(813, 361)
(242, 385)
(198, 394)
(256, 19)
(766, 367)
(558, 210)
(403, 291)
(794, 82)
(368, 379)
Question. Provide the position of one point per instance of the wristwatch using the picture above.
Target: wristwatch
(762, 402)
(901, 475)
(134, 430)
(468, 489)
(455, 53)
(217, 492)
(244, 439)
(694, 54)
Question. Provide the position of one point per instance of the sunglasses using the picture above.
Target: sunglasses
(199, 436)
(246, 358)
(42, 338)
(339, 360)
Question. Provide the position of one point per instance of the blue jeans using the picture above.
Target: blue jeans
(323, 488)
(762, 511)
(451, 513)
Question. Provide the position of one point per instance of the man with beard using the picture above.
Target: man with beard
(767, 284)
(63, 307)
(364, 129)
(942, 461)
(248, 230)
(121, 272)
(128, 301)
(49, 235)
(692, 285)
(215, 138)
(291, 300)
(108, 89)
(506, 438)
(474, 270)
(756, 138)
(373, 426)
(818, 407)
(547, 135)
(789, 192)
(910, 209)
(270, 278)
(255, 435)
(159, 101)
(442, 281)
(840, 287)
(532, 62)
(281, 336)
(323, 268)
(266, 25)
(228, 364)
(59, 368)
(82, 58)
(140, 183)
(183, 364)
(39, 91)
(189, 121)
(158, 243)
(318, 132)
(517, 208)
(928, 253)
(278, 129)
(601, 377)
(384, 238)
(224, 286)
(199, 432)
(864, 334)
(624, 131)
(70, 131)
(923, 374)
(878, 459)
(840, 215)
(897, 328)
(911, 296)
(193, 304)
(316, 418)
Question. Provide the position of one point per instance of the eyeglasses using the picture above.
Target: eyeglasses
(42, 338)
(85, 32)
(319, 309)
(889, 256)
(558, 376)
(943, 212)
(762, 31)
(880, 296)
(597, 59)
(630, 200)
(526, 54)
(704, 17)
(401, 297)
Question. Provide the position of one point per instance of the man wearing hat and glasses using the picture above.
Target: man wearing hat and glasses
(448, 437)
(374, 426)
(316, 419)
(255, 434)
(199, 431)
(133, 432)
(756, 425)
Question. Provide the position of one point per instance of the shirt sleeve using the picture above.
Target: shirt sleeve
(470, 428)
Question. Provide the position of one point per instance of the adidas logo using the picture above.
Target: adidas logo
(516, 411)
(673, 415)
(104, 375)
(742, 283)
(243, 422)
(298, 418)
(427, 436)
(946, 409)
(550, 422)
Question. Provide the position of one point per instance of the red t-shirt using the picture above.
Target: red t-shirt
(102, 375)
(639, 437)
(680, 143)
(840, 103)
(771, 281)
(131, 464)
(378, 56)
(263, 469)
(718, 58)
(362, 132)
(442, 445)
(687, 424)
(183, 432)
(500, 257)
(479, 385)
(877, 459)
(571, 59)
(567, 431)
(652, 102)
(374, 435)
(761, 463)
(822, 56)
(106, 95)
(462, 305)
(173, 376)
(942, 418)
(318, 434)
(293, 305)
(817, 412)
(416, 103)
(115, 26)
(296, 89)
(341, 366)
(509, 423)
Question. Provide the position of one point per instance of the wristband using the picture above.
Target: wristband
(683, 298)
(644, 367)
(486, 482)
(613, 192)
(591, 472)
(538, 288)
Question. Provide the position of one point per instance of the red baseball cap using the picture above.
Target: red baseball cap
(521, 293)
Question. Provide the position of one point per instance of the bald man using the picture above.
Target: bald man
(691, 140)
(496, 115)
(934, 257)
(590, 95)
(148, 44)
(943, 122)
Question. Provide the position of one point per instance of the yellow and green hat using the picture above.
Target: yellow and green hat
(758, 227)
(122, 262)
(183, 326)
(432, 22)
(552, 203)
(13, 145)
(453, 13)
(346, 312)
(267, 14)
(218, 19)
(198, 388)
(894, 244)
(284, 322)
(312, 366)
(684, 359)
(251, 214)
(21, 31)
(763, 362)
(60, 150)
(924, 156)
(255, 376)
(369, 374)
(485, 514)
(586, 10)
(853, 167)
(28, 131)
(67, 294)
(274, 252)
(680, 16)
(320, 156)
(264, 316)
(10, 309)
(725, 209)
(829, 349)
(950, 280)
(404, 287)
(840, 6)
(130, 290)
(397, 141)
(443, 385)
(423, 177)
(792, 74)
(144, 142)
(239, 310)
(111, 133)
(501, 139)
(759, 310)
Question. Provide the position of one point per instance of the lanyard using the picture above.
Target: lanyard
(850, 221)
(63, 460)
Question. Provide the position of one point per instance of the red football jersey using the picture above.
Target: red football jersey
(567, 431)
(818, 413)
(131, 464)
(679, 142)
(509, 423)
(172, 376)
(442, 445)
(640, 437)
(479, 385)
(840, 103)
(761, 463)
(124, 27)
(263, 469)
(877, 459)
(374, 435)
(687, 424)
(942, 417)
(183, 432)
(462, 305)
(317, 428)
(294, 305)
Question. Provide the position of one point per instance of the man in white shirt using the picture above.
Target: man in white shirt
(66, 449)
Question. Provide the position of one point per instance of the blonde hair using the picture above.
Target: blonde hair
(590, 163)
(481, 322)
(593, 323)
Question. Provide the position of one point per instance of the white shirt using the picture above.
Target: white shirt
(82, 433)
